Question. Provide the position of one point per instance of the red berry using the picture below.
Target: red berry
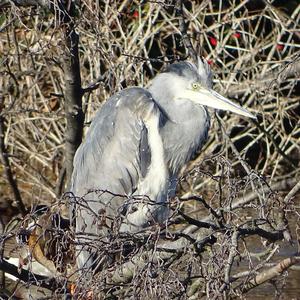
(236, 35)
(210, 62)
(135, 14)
(213, 41)
(279, 47)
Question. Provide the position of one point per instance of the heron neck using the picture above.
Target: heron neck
(183, 131)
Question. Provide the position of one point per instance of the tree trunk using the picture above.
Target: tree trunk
(73, 100)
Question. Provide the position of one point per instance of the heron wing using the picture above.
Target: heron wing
(115, 159)
(116, 146)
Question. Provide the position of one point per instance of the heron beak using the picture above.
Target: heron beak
(210, 98)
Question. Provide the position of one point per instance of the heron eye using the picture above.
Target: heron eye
(196, 86)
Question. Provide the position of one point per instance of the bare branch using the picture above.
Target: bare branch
(93, 86)
(9, 174)
(183, 29)
(25, 3)
(268, 274)
(199, 224)
(29, 277)
(292, 192)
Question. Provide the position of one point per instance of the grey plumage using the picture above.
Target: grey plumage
(137, 143)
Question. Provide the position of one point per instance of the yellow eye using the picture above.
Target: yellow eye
(196, 86)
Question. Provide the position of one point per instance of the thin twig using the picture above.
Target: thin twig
(93, 86)
(8, 172)
(183, 29)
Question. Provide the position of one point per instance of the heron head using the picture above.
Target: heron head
(193, 83)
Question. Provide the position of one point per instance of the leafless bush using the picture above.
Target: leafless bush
(230, 218)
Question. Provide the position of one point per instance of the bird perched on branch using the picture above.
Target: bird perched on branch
(126, 169)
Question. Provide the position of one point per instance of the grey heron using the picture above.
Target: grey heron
(137, 144)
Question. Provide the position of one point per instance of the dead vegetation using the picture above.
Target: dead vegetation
(236, 210)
